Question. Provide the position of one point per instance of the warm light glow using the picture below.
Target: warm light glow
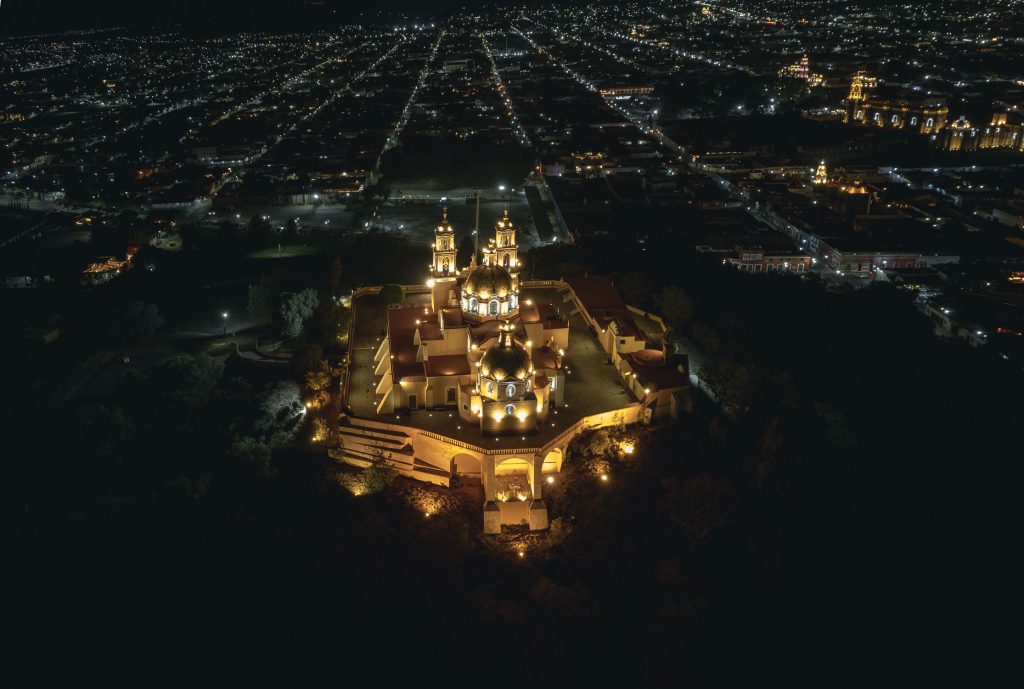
(604, 477)
(430, 282)
(551, 479)
(627, 446)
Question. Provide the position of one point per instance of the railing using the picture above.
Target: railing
(453, 441)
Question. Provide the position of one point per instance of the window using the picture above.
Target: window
(930, 123)
(510, 390)
(895, 119)
(472, 304)
(877, 116)
(413, 402)
(490, 387)
(444, 265)
(799, 267)
(494, 307)
(554, 382)
(450, 395)
(510, 409)
(913, 121)
(506, 260)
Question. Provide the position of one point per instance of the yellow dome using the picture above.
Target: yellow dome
(488, 281)
(506, 360)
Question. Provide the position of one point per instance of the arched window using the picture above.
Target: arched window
(444, 265)
(506, 260)
(913, 121)
(930, 123)
(494, 307)
(490, 387)
(510, 409)
(472, 304)
(877, 116)
(510, 390)
(895, 119)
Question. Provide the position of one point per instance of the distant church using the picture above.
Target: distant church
(478, 348)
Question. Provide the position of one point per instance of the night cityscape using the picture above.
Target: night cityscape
(654, 344)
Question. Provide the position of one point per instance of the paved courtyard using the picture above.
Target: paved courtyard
(592, 384)
(418, 220)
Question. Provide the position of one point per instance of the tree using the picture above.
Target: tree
(280, 411)
(334, 274)
(392, 294)
(259, 230)
(378, 474)
(294, 309)
(700, 507)
(264, 294)
(636, 287)
(306, 359)
(178, 388)
(291, 230)
(254, 455)
(734, 386)
(133, 324)
(705, 337)
(675, 306)
(101, 436)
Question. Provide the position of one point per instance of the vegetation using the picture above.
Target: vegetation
(392, 293)
(762, 542)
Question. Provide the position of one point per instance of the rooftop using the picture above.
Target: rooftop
(592, 384)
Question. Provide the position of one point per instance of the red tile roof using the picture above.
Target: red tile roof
(447, 365)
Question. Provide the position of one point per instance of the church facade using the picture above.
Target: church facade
(478, 349)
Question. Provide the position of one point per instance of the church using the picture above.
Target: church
(479, 348)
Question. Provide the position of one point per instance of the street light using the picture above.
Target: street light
(225, 317)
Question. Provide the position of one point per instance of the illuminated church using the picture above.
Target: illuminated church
(478, 349)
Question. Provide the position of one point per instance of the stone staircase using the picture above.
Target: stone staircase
(362, 440)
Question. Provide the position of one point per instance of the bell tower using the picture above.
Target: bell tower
(506, 252)
(821, 174)
(860, 84)
(443, 265)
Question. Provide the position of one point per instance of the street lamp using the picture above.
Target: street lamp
(225, 317)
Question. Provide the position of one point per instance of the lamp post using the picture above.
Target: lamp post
(224, 316)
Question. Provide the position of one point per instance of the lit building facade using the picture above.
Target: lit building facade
(1003, 132)
(925, 116)
(802, 70)
(476, 349)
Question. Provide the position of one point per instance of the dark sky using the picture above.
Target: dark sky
(39, 15)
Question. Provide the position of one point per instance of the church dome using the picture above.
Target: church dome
(506, 360)
(488, 281)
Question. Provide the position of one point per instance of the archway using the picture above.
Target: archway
(512, 475)
(513, 489)
(466, 465)
(553, 461)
